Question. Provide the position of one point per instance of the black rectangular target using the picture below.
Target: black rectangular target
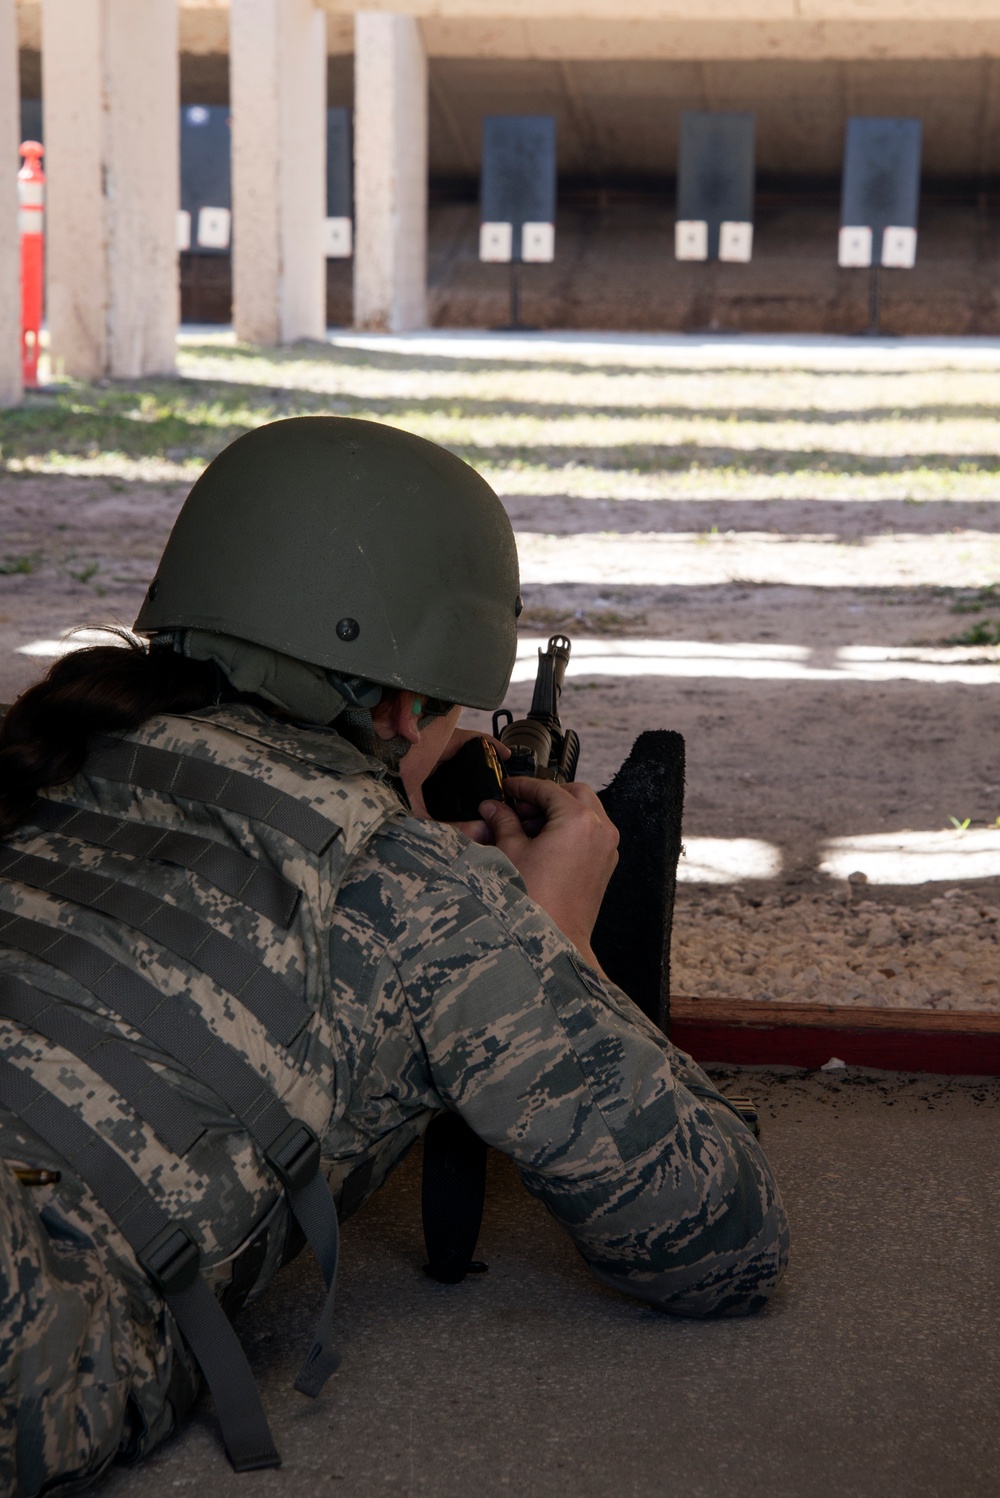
(880, 192)
(206, 182)
(518, 187)
(715, 186)
(339, 168)
(31, 120)
(338, 236)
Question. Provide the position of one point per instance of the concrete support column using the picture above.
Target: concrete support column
(110, 97)
(277, 80)
(390, 172)
(10, 246)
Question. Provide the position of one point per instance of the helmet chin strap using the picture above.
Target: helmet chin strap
(310, 694)
(303, 691)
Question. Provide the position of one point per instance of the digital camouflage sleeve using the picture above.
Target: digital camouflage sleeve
(463, 993)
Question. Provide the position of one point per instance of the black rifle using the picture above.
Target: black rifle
(539, 746)
(631, 939)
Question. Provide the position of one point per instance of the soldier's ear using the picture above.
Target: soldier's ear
(396, 716)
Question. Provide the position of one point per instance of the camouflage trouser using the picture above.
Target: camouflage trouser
(86, 1374)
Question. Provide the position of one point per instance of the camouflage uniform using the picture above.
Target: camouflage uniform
(428, 978)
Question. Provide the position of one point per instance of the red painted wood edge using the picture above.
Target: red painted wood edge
(960, 1042)
(962, 1054)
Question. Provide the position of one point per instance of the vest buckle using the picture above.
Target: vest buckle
(171, 1259)
(294, 1155)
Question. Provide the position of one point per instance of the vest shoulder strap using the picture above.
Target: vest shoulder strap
(167, 1253)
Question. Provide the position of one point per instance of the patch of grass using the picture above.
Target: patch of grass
(985, 632)
(540, 426)
(20, 566)
(608, 621)
(975, 602)
(579, 621)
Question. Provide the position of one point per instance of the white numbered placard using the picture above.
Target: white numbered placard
(538, 242)
(496, 241)
(183, 229)
(735, 240)
(338, 238)
(691, 239)
(899, 248)
(214, 225)
(854, 246)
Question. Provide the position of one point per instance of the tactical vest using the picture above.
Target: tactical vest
(164, 920)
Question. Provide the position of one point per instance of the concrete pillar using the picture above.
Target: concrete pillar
(110, 99)
(277, 81)
(390, 172)
(10, 247)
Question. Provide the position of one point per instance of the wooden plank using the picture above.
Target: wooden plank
(965, 1043)
(688, 1009)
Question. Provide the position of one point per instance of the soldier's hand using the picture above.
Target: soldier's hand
(567, 864)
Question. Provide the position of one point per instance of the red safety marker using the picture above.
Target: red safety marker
(31, 222)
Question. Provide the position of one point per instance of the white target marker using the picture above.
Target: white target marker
(691, 239)
(214, 226)
(538, 242)
(496, 241)
(854, 246)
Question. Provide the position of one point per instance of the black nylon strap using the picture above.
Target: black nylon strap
(235, 969)
(234, 873)
(172, 1120)
(290, 1148)
(193, 779)
(167, 1253)
(317, 1216)
(210, 1335)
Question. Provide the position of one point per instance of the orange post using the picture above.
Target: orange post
(31, 221)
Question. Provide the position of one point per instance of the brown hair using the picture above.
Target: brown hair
(105, 689)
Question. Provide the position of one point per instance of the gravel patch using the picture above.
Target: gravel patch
(847, 946)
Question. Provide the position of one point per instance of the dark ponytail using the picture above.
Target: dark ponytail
(107, 689)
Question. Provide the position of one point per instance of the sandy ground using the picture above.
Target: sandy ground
(789, 559)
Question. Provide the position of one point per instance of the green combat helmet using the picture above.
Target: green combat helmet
(352, 546)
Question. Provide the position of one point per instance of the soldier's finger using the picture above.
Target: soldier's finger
(476, 832)
(545, 795)
(505, 825)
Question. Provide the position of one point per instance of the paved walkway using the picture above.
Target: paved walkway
(874, 1374)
